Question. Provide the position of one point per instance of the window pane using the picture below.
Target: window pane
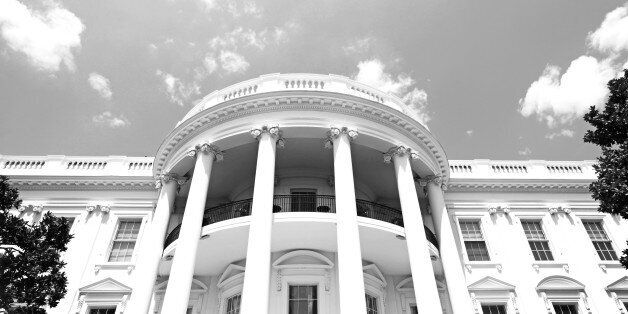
(471, 230)
(124, 240)
(233, 304)
(111, 310)
(494, 309)
(541, 251)
(605, 250)
(371, 304)
(565, 309)
(595, 230)
(302, 300)
(533, 230)
(477, 251)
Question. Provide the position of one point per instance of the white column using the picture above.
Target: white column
(452, 265)
(256, 289)
(350, 275)
(425, 290)
(182, 269)
(153, 247)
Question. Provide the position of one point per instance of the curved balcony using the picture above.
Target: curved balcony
(301, 203)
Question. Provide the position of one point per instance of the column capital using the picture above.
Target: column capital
(207, 148)
(438, 180)
(273, 131)
(399, 151)
(335, 132)
(164, 178)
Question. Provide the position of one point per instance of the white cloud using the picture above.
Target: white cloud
(179, 92)
(612, 35)
(372, 73)
(525, 152)
(210, 64)
(358, 46)
(469, 133)
(110, 120)
(563, 133)
(100, 84)
(240, 37)
(233, 62)
(556, 98)
(48, 38)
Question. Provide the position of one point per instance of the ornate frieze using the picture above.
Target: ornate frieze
(335, 132)
(494, 209)
(555, 209)
(35, 207)
(103, 207)
(399, 151)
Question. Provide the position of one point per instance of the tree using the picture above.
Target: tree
(611, 135)
(31, 274)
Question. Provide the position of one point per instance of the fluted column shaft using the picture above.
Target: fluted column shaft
(255, 292)
(452, 265)
(182, 269)
(153, 247)
(350, 275)
(425, 289)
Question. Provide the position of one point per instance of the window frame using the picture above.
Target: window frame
(465, 254)
(505, 305)
(138, 242)
(603, 224)
(546, 236)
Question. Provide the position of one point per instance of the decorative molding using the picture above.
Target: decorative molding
(331, 181)
(104, 207)
(476, 304)
(548, 304)
(554, 209)
(513, 301)
(335, 132)
(265, 103)
(207, 148)
(36, 207)
(80, 184)
(399, 151)
(79, 304)
(273, 131)
(494, 209)
(163, 179)
(522, 186)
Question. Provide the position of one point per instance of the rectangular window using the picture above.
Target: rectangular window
(474, 241)
(601, 242)
(371, 304)
(565, 308)
(124, 240)
(233, 304)
(536, 238)
(302, 200)
(302, 300)
(100, 310)
(494, 309)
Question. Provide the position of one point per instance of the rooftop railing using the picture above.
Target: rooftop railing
(524, 169)
(54, 165)
(301, 203)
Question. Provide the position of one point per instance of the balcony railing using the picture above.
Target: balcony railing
(301, 203)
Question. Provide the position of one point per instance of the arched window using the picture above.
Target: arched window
(195, 302)
(230, 289)
(374, 285)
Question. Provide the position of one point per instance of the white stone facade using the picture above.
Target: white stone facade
(322, 183)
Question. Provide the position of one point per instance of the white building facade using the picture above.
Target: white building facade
(303, 193)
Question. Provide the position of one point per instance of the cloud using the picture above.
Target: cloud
(235, 8)
(525, 152)
(612, 35)
(563, 133)
(372, 72)
(358, 46)
(48, 38)
(179, 92)
(210, 64)
(100, 84)
(109, 120)
(232, 62)
(469, 133)
(556, 98)
(240, 37)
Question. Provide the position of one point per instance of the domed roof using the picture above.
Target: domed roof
(296, 82)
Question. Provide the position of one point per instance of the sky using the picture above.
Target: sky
(491, 79)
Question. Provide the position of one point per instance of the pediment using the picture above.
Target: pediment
(197, 286)
(107, 285)
(303, 259)
(559, 283)
(372, 272)
(233, 272)
(489, 283)
(619, 285)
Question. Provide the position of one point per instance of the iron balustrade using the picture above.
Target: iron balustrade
(301, 203)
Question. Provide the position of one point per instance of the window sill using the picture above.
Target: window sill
(537, 265)
(129, 267)
(489, 264)
(604, 265)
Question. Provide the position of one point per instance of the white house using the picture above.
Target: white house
(303, 193)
